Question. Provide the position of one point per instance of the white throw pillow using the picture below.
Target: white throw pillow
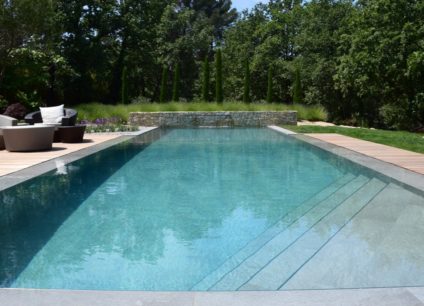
(52, 115)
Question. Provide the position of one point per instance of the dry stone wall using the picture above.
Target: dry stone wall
(213, 119)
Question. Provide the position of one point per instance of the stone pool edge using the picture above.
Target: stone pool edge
(15, 178)
(374, 296)
(406, 178)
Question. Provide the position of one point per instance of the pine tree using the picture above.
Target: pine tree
(176, 84)
(246, 89)
(218, 62)
(163, 83)
(206, 80)
(124, 87)
(297, 88)
(269, 93)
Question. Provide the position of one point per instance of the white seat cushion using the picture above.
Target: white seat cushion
(52, 115)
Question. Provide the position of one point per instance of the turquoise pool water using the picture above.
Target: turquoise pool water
(180, 211)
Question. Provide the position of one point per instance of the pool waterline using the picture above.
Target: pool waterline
(246, 224)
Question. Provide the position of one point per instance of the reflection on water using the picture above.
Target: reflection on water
(161, 218)
(31, 212)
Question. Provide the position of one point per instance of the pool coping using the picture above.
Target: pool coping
(366, 296)
(409, 179)
(374, 296)
(20, 176)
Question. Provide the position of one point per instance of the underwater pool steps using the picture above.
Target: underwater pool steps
(294, 258)
(251, 267)
(282, 224)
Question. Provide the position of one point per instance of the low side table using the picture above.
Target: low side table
(72, 134)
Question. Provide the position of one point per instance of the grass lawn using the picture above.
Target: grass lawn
(92, 111)
(400, 139)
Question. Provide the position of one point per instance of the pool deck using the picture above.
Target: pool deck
(402, 158)
(14, 161)
(17, 167)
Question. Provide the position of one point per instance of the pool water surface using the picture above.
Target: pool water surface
(211, 209)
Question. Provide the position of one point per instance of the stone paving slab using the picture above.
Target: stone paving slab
(350, 297)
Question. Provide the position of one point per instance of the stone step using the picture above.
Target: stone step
(270, 233)
(277, 272)
(243, 272)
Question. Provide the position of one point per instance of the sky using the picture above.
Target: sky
(244, 4)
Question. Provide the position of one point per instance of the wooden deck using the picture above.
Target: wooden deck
(402, 158)
(13, 161)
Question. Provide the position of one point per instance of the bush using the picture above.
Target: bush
(16, 110)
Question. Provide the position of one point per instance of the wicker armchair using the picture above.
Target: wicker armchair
(69, 119)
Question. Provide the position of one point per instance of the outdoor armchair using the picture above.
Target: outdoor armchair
(69, 118)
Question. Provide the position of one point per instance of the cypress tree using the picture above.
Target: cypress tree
(176, 84)
(124, 87)
(206, 80)
(218, 62)
(162, 96)
(297, 88)
(246, 89)
(269, 93)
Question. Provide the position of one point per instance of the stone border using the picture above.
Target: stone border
(406, 178)
(214, 119)
(408, 296)
(15, 178)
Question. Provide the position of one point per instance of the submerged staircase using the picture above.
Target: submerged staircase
(272, 258)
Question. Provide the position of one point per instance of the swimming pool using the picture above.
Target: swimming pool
(211, 209)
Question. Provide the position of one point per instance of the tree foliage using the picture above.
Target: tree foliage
(163, 85)
(297, 88)
(124, 87)
(362, 60)
(270, 90)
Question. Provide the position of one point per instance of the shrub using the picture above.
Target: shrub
(16, 110)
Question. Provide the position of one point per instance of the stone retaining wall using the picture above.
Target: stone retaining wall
(197, 119)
